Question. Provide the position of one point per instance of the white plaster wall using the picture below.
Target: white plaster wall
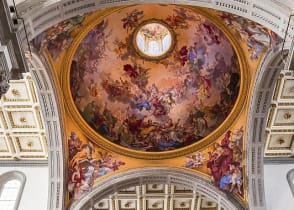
(35, 193)
(278, 195)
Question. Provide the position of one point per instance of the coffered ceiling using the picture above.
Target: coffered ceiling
(156, 197)
(22, 134)
(279, 131)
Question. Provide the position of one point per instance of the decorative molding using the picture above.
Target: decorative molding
(39, 17)
(74, 113)
(26, 163)
(143, 176)
(53, 125)
(256, 121)
(278, 160)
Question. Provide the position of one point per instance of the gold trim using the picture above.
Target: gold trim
(281, 130)
(283, 89)
(104, 143)
(270, 117)
(6, 145)
(277, 87)
(126, 205)
(33, 156)
(286, 116)
(153, 58)
(13, 125)
(154, 206)
(283, 124)
(17, 140)
(286, 104)
(10, 141)
(196, 201)
(22, 119)
(39, 118)
(141, 198)
(281, 141)
(5, 156)
(183, 205)
(5, 99)
(15, 92)
(278, 154)
(19, 106)
(32, 88)
(206, 200)
(3, 120)
(21, 133)
(45, 143)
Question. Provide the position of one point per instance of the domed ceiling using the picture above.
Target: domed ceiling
(154, 81)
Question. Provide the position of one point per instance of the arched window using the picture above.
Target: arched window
(11, 187)
(290, 178)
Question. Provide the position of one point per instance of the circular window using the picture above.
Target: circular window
(153, 39)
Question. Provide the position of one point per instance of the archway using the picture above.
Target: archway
(269, 70)
(46, 90)
(154, 175)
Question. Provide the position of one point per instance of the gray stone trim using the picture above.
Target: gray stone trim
(51, 110)
(25, 163)
(9, 37)
(172, 176)
(39, 17)
(278, 160)
(260, 101)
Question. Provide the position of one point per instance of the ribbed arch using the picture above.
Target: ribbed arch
(140, 176)
(264, 84)
(46, 87)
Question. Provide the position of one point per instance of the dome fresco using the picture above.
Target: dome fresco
(164, 98)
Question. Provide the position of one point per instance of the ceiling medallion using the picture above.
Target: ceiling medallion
(153, 39)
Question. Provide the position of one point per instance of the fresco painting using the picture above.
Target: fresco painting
(155, 105)
(195, 160)
(257, 37)
(224, 162)
(131, 19)
(59, 37)
(87, 162)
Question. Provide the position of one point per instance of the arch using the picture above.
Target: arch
(263, 87)
(51, 111)
(173, 176)
(260, 100)
(42, 15)
(13, 175)
(290, 178)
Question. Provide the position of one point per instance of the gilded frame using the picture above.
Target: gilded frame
(105, 143)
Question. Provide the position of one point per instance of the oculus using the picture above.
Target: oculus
(153, 39)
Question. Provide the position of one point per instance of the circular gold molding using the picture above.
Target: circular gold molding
(105, 143)
(149, 57)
